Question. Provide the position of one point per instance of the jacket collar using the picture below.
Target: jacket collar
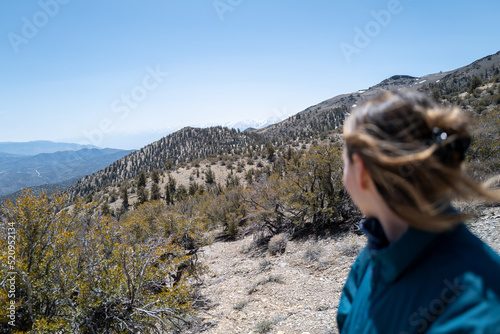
(394, 258)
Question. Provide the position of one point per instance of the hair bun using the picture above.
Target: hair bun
(452, 153)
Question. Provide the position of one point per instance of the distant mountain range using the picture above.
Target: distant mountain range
(19, 170)
(37, 147)
(250, 124)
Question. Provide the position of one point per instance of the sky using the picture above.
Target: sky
(123, 73)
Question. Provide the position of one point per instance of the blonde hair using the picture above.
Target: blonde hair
(414, 151)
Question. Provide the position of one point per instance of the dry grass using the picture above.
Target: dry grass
(350, 246)
(277, 244)
(313, 252)
(270, 279)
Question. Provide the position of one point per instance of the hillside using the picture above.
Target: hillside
(329, 114)
(178, 148)
(320, 121)
(324, 117)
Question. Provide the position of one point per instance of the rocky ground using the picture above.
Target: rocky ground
(294, 292)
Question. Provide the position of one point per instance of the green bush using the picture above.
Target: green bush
(78, 271)
(306, 195)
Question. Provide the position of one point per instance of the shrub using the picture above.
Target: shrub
(313, 252)
(265, 265)
(227, 209)
(79, 271)
(305, 195)
(277, 244)
(264, 326)
(350, 247)
(484, 152)
(241, 304)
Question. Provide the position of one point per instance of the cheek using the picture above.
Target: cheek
(345, 169)
(351, 186)
(348, 181)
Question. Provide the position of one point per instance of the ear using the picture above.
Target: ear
(363, 177)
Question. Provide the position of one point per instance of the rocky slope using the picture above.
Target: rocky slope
(296, 292)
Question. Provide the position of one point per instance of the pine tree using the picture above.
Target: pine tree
(169, 164)
(170, 189)
(232, 181)
(169, 197)
(181, 193)
(142, 195)
(124, 196)
(155, 191)
(155, 176)
(209, 176)
(476, 82)
(193, 188)
(141, 180)
(270, 151)
(249, 176)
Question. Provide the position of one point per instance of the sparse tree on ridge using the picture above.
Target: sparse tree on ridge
(142, 195)
(124, 196)
(209, 176)
(155, 191)
(155, 176)
(476, 82)
(170, 189)
(270, 150)
(141, 180)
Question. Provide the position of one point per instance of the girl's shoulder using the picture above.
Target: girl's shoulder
(463, 256)
(474, 252)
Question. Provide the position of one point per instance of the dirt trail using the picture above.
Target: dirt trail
(294, 292)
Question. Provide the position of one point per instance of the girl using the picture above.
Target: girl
(422, 270)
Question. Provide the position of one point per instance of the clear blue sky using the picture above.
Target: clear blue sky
(119, 72)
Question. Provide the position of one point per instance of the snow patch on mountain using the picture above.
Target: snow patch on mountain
(259, 124)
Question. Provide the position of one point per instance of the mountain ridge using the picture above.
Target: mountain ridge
(35, 147)
(485, 67)
(321, 120)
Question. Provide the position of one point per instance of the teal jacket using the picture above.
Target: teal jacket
(424, 282)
